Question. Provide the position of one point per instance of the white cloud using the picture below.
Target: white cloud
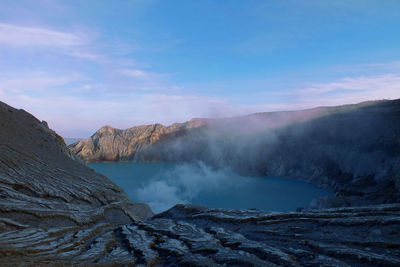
(81, 114)
(14, 35)
(87, 55)
(38, 81)
(137, 79)
(143, 75)
(346, 90)
(385, 84)
(33, 39)
(136, 73)
(392, 65)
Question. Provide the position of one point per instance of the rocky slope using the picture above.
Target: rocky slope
(43, 185)
(55, 211)
(37, 168)
(197, 236)
(353, 150)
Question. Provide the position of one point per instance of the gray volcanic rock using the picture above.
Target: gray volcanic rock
(353, 150)
(43, 185)
(196, 236)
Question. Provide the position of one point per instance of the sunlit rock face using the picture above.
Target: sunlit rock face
(110, 144)
(353, 150)
(54, 211)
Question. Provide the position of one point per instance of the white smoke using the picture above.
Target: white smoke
(185, 182)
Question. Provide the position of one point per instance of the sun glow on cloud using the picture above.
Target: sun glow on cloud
(140, 67)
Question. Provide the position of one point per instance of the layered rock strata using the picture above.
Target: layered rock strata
(196, 236)
(42, 183)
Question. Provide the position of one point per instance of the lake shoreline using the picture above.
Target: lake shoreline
(164, 184)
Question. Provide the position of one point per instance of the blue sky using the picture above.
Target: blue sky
(83, 64)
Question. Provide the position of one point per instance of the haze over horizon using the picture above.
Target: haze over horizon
(80, 65)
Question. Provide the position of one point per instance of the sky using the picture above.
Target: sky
(80, 65)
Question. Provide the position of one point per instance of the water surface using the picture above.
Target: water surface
(162, 185)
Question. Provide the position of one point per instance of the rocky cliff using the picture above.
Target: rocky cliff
(110, 144)
(55, 211)
(353, 150)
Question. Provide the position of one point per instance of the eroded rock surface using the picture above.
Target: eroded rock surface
(43, 185)
(196, 236)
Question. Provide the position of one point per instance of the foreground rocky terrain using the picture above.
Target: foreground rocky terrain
(352, 150)
(196, 236)
(55, 211)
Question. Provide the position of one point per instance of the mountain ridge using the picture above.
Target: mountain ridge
(352, 150)
(199, 119)
(199, 122)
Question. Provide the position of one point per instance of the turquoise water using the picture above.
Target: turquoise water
(162, 185)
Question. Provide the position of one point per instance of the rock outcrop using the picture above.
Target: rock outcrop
(110, 144)
(55, 211)
(353, 150)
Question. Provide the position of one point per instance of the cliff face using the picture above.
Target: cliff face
(109, 144)
(353, 150)
(54, 211)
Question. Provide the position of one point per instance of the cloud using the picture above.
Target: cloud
(55, 43)
(20, 36)
(351, 90)
(346, 90)
(383, 67)
(137, 73)
(76, 108)
(33, 39)
(36, 81)
(81, 114)
(87, 55)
